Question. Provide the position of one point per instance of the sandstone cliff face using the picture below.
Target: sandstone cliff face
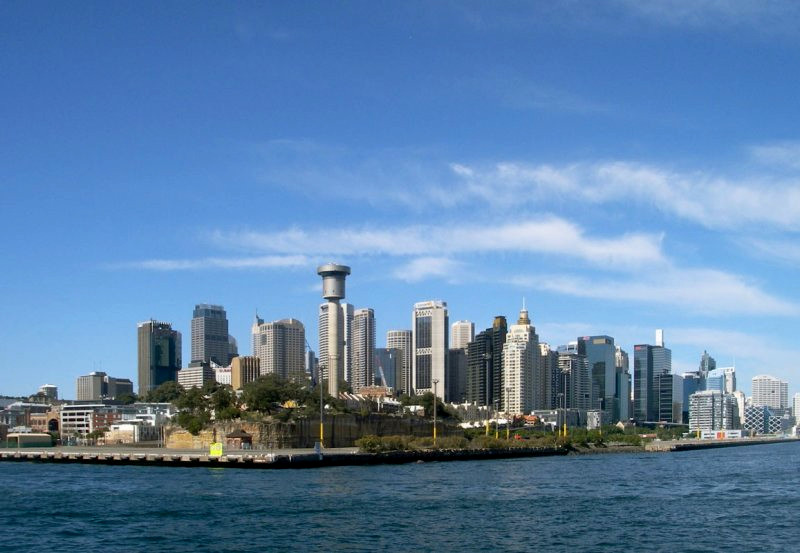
(340, 431)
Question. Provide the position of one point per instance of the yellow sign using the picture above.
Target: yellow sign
(215, 450)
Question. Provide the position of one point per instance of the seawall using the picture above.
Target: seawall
(270, 460)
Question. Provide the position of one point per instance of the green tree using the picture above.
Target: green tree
(225, 403)
(168, 392)
(127, 399)
(264, 394)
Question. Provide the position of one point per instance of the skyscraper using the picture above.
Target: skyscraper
(730, 379)
(545, 390)
(648, 361)
(348, 313)
(623, 390)
(485, 365)
(401, 340)
(362, 349)
(429, 345)
(456, 375)
(520, 361)
(159, 354)
(463, 332)
(601, 356)
(707, 364)
(244, 369)
(331, 330)
(210, 338)
(280, 348)
(769, 391)
(574, 383)
(388, 365)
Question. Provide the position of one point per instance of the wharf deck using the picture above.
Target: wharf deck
(691, 445)
(267, 460)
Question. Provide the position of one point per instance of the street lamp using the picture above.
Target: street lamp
(435, 382)
(508, 421)
(496, 421)
(486, 358)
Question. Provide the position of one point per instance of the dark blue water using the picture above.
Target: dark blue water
(743, 499)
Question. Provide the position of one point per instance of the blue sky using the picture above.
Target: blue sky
(624, 166)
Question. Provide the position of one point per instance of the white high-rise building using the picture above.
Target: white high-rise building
(713, 410)
(796, 407)
(429, 346)
(520, 359)
(280, 347)
(362, 349)
(769, 391)
(462, 333)
(347, 326)
(401, 339)
(730, 379)
(331, 330)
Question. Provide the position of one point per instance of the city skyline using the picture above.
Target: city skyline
(623, 168)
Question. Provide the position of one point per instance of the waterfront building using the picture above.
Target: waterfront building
(761, 419)
(741, 403)
(730, 379)
(707, 364)
(401, 340)
(49, 391)
(485, 365)
(90, 387)
(196, 374)
(463, 332)
(601, 357)
(159, 354)
(574, 383)
(769, 391)
(222, 374)
(98, 385)
(311, 365)
(429, 345)
(691, 384)
(716, 381)
(456, 375)
(332, 338)
(712, 410)
(280, 347)
(244, 369)
(796, 407)
(669, 393)
(546, 379)
(210, 338)
(362, 349)
(520, 363)
(348, 315)
(388, 367)
(622, 392)
(648, 362)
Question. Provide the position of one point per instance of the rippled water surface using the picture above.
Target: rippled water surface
(742, 499)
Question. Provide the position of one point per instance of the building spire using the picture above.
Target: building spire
(523, 315)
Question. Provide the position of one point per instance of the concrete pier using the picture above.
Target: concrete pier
(283, 460)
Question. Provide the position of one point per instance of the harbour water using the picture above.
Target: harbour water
(714, 500)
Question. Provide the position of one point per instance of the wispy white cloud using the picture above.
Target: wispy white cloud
(785, 250)
(698, 291)
(765, 192)
(778, 154)
(546, 235)
(764, 16)
(702, 197)
(421, 268)
(259, 262)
